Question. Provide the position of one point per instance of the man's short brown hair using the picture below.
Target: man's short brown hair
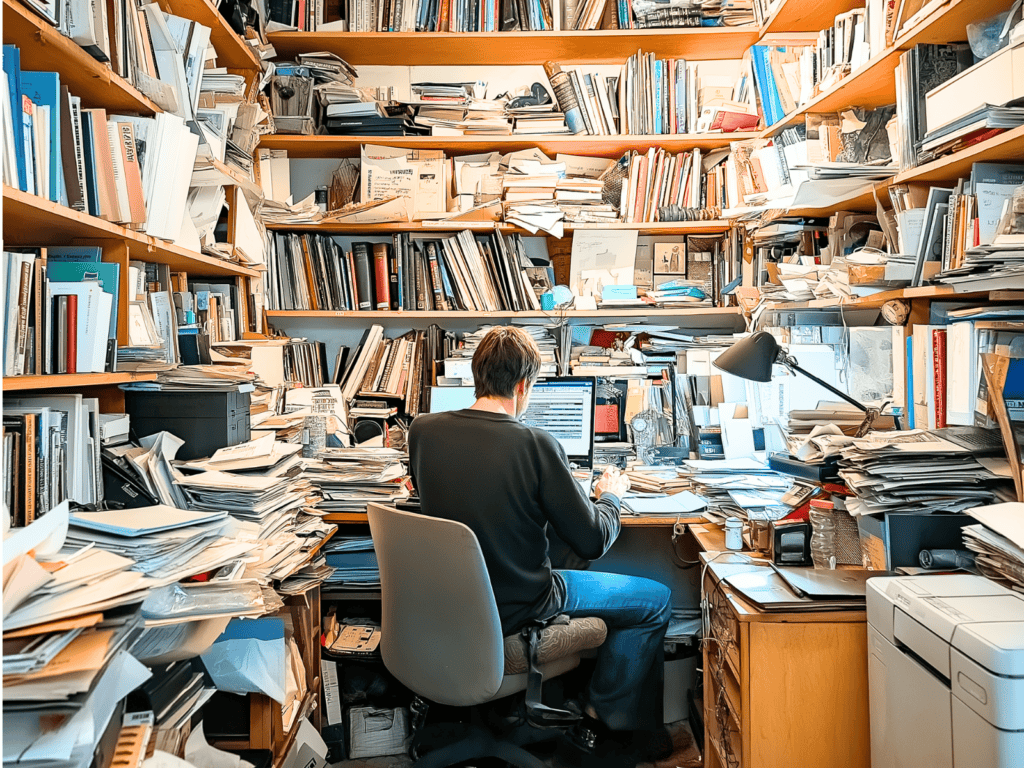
(506, 356)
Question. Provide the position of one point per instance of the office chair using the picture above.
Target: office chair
(441, 637)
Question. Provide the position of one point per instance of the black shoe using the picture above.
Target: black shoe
(589, 744)
(653, 745)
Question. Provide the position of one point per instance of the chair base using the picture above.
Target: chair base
(479, 743)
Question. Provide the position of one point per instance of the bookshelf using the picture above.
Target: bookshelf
(44, 48)
(600, 46)
(30, 220)
(596, 146)
(921, 293)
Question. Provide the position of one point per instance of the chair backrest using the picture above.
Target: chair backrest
(440, 631)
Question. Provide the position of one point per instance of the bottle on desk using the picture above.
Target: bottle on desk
(823, 539)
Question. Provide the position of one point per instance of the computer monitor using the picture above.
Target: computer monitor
(564, 406)
(451, 398)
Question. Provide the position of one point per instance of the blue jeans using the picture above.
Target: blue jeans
(627, 687)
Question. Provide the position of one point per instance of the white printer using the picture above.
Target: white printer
(945, 673)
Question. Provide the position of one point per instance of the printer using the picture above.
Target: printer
(945, 673)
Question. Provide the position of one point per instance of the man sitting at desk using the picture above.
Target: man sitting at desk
(508, 482)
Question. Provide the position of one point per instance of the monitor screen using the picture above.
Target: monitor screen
(451, 398)
(565, 407)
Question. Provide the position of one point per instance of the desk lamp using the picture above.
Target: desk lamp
(752, 358)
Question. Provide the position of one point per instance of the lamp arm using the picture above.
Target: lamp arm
(790, 363)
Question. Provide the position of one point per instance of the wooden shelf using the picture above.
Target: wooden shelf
(924, 292)
(804, 16)
(602, 46)
(73, 380)
(874, 85)
(442, 227)
(611, 147)
(1006, 147)
(30, 220)
(232, 51)
(383, 316)
(43, 48)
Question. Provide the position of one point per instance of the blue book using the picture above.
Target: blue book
(766, 85)
(659, 93)
(12, 68)
(44, 90)
(28, 142)
(91, 179)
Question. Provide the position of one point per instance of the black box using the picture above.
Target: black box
(206, 421)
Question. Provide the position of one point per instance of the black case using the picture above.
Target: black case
(206, 421)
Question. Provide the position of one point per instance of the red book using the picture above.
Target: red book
(72, 359)
(939, 362)
(381, 275)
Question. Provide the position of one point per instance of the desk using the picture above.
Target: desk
(781, 690)
(628, 521)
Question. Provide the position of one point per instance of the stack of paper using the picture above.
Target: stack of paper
(350, 478)
(742, 488)
(998, 542)
(676, 505)
(354, 563)
(900, 471)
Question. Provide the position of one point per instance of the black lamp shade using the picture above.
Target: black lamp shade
(752, 358)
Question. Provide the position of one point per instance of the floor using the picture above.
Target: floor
(686, 754)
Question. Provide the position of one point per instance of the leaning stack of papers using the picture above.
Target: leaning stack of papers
(350, 478)
(741, 488)
(998, 543)
(897, 471)
(269, 508)
(164, 543)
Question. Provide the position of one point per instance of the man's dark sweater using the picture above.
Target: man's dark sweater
(507, 482)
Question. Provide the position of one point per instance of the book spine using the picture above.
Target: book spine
(38, 367)
(133, 174)
(24, 296)
(395, 276)
(381, 276)
(435, 276)
(421, 280)
(364, 275)
(565, 95)
(939, 363)
(31, 459)
(71, 362)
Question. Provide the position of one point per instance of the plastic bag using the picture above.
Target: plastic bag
(988, 36)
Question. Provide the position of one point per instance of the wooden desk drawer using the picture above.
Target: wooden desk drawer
(722, 728)
(725, 628)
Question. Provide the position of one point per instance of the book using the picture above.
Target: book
(381, 276)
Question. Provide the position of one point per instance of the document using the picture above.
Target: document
(419, 175)
(608, 254)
